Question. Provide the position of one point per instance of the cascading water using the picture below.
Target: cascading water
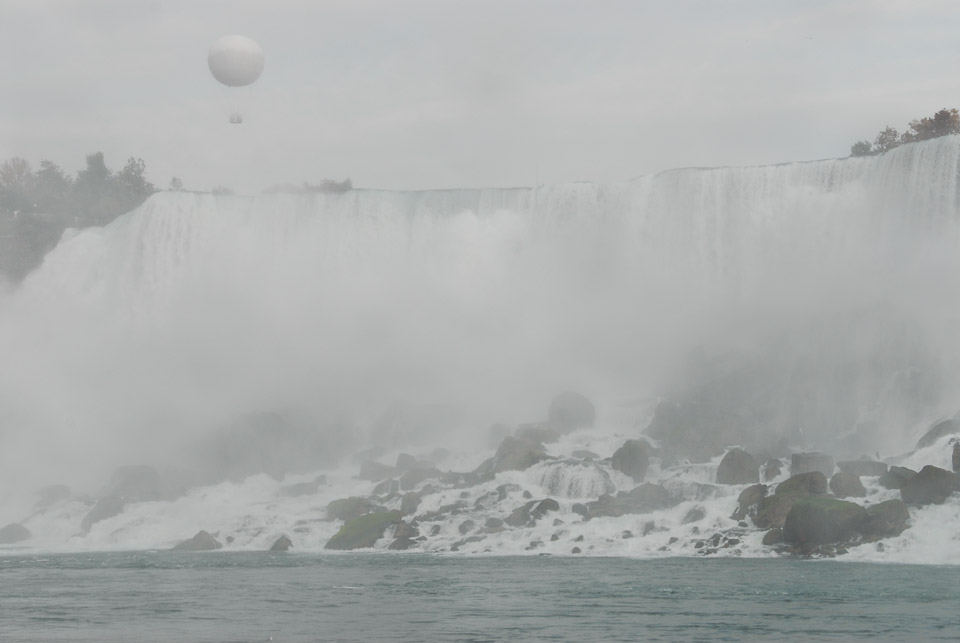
(133, 339)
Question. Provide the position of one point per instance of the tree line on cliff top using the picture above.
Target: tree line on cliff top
(944, 122)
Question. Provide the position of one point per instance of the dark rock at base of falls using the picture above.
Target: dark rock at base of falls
(364, 531)
(885, 519)
(818, 520)
(696, 514)
(569, 411)
(106, 507)
(773, 537)
(931, 486)
(350, 508)
(956, 457)
(895, 477)
(632, 458)
(748, 500)
(407, 462)
(283, 543)
(406, 530)
(414, 477)
(772, 469)
(409, 503)
(772, 510)
(807, 462)
(386, 487)
(202, 541)
(847, 485)
(513, 454)
(810, 483)
(403, 544)
(862, 467)
(939, 430)
(14, 533)
(376, 471)
(639, 500)
(51, 495)
(738, 467)
(528, 514)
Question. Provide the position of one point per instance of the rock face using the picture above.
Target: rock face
(632, 458)
(107, 507)
(282, 544)
(807, 462)
(14, 533)
(570, 411)
(772, 469)
(202, 541)
(738, 467)
(364, 531)
(862, 467)
(413, 477)
(376, 471)
(885, 519)
(810, 483)
(350, 508)
(847, 485)
(639, 500)
(748, 501)
(513, 454)
(932, 486)
(528, 514)
(896, 476)
(956, 457)
(772, 511)
(818, 520)
(937, 431)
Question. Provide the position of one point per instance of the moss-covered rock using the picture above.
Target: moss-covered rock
(816, 520)
(363, 531)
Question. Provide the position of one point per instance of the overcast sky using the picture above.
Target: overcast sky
(444, 93)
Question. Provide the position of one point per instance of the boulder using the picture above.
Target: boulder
(632, 458)
(885, 519)
(810, 483)
(748, 500)
(956, 457)
(896, 476)
(817, 520)
(847, 485)
(937, 431)
(350, 508)
(738, 467)
(772, 469)
(202, 541)
(413, 477)
(107, 507)
(513, 454)
(281, 544)
(14, 533)
(409, 503)
(363, 531)
(696, 514)
(862, 467)
(807, 462)
(466, 527)
(773, 510)
(528, 514)
(386, 487)
(50, 495)
(932, 486)
(406, 530)
(570, 411)
(403, 544)
(773, 537)
(376, 471)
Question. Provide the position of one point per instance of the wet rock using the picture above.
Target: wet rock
(808, 462)
(405, 530)
(772, 469)
(585, 454)
(576, 550)
(648, 528)
(817, 520)
(466, 527)
(939, 430)
(403, 544)
(862, 467)
(885, 519)
(810, 483)
(464, 480)
(281, 544)
(773, 536)
(414, 477)
(696, 514)
(14, 533)
(956, 457)
(51, 495)
(554, 538)
(569, 411)
(350, 508)
(931, 486)
(435, 530)
(376, 471)
(493, 523)
(537, 433)
(364, 531)
(107, 507)
(639, 500)
(409, 503)
(738, 467)
(528, 514)
(575, 479)
(580, 509)
(633, 459)
(748, 500)
(513, 454)
(386, 487)
(847, 485)
(202, 541)
(896, 476)
(303, 488)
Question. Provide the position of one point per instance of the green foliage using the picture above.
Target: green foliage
(943, 123)
(860, 148)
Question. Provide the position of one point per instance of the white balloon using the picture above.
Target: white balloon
(235, 61)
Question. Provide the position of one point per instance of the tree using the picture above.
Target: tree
(16, 185)
(132, 186)
(52, 189)
(860, 148)
(886, 140)
(176, 185)
(92, 190)
(944, 122)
